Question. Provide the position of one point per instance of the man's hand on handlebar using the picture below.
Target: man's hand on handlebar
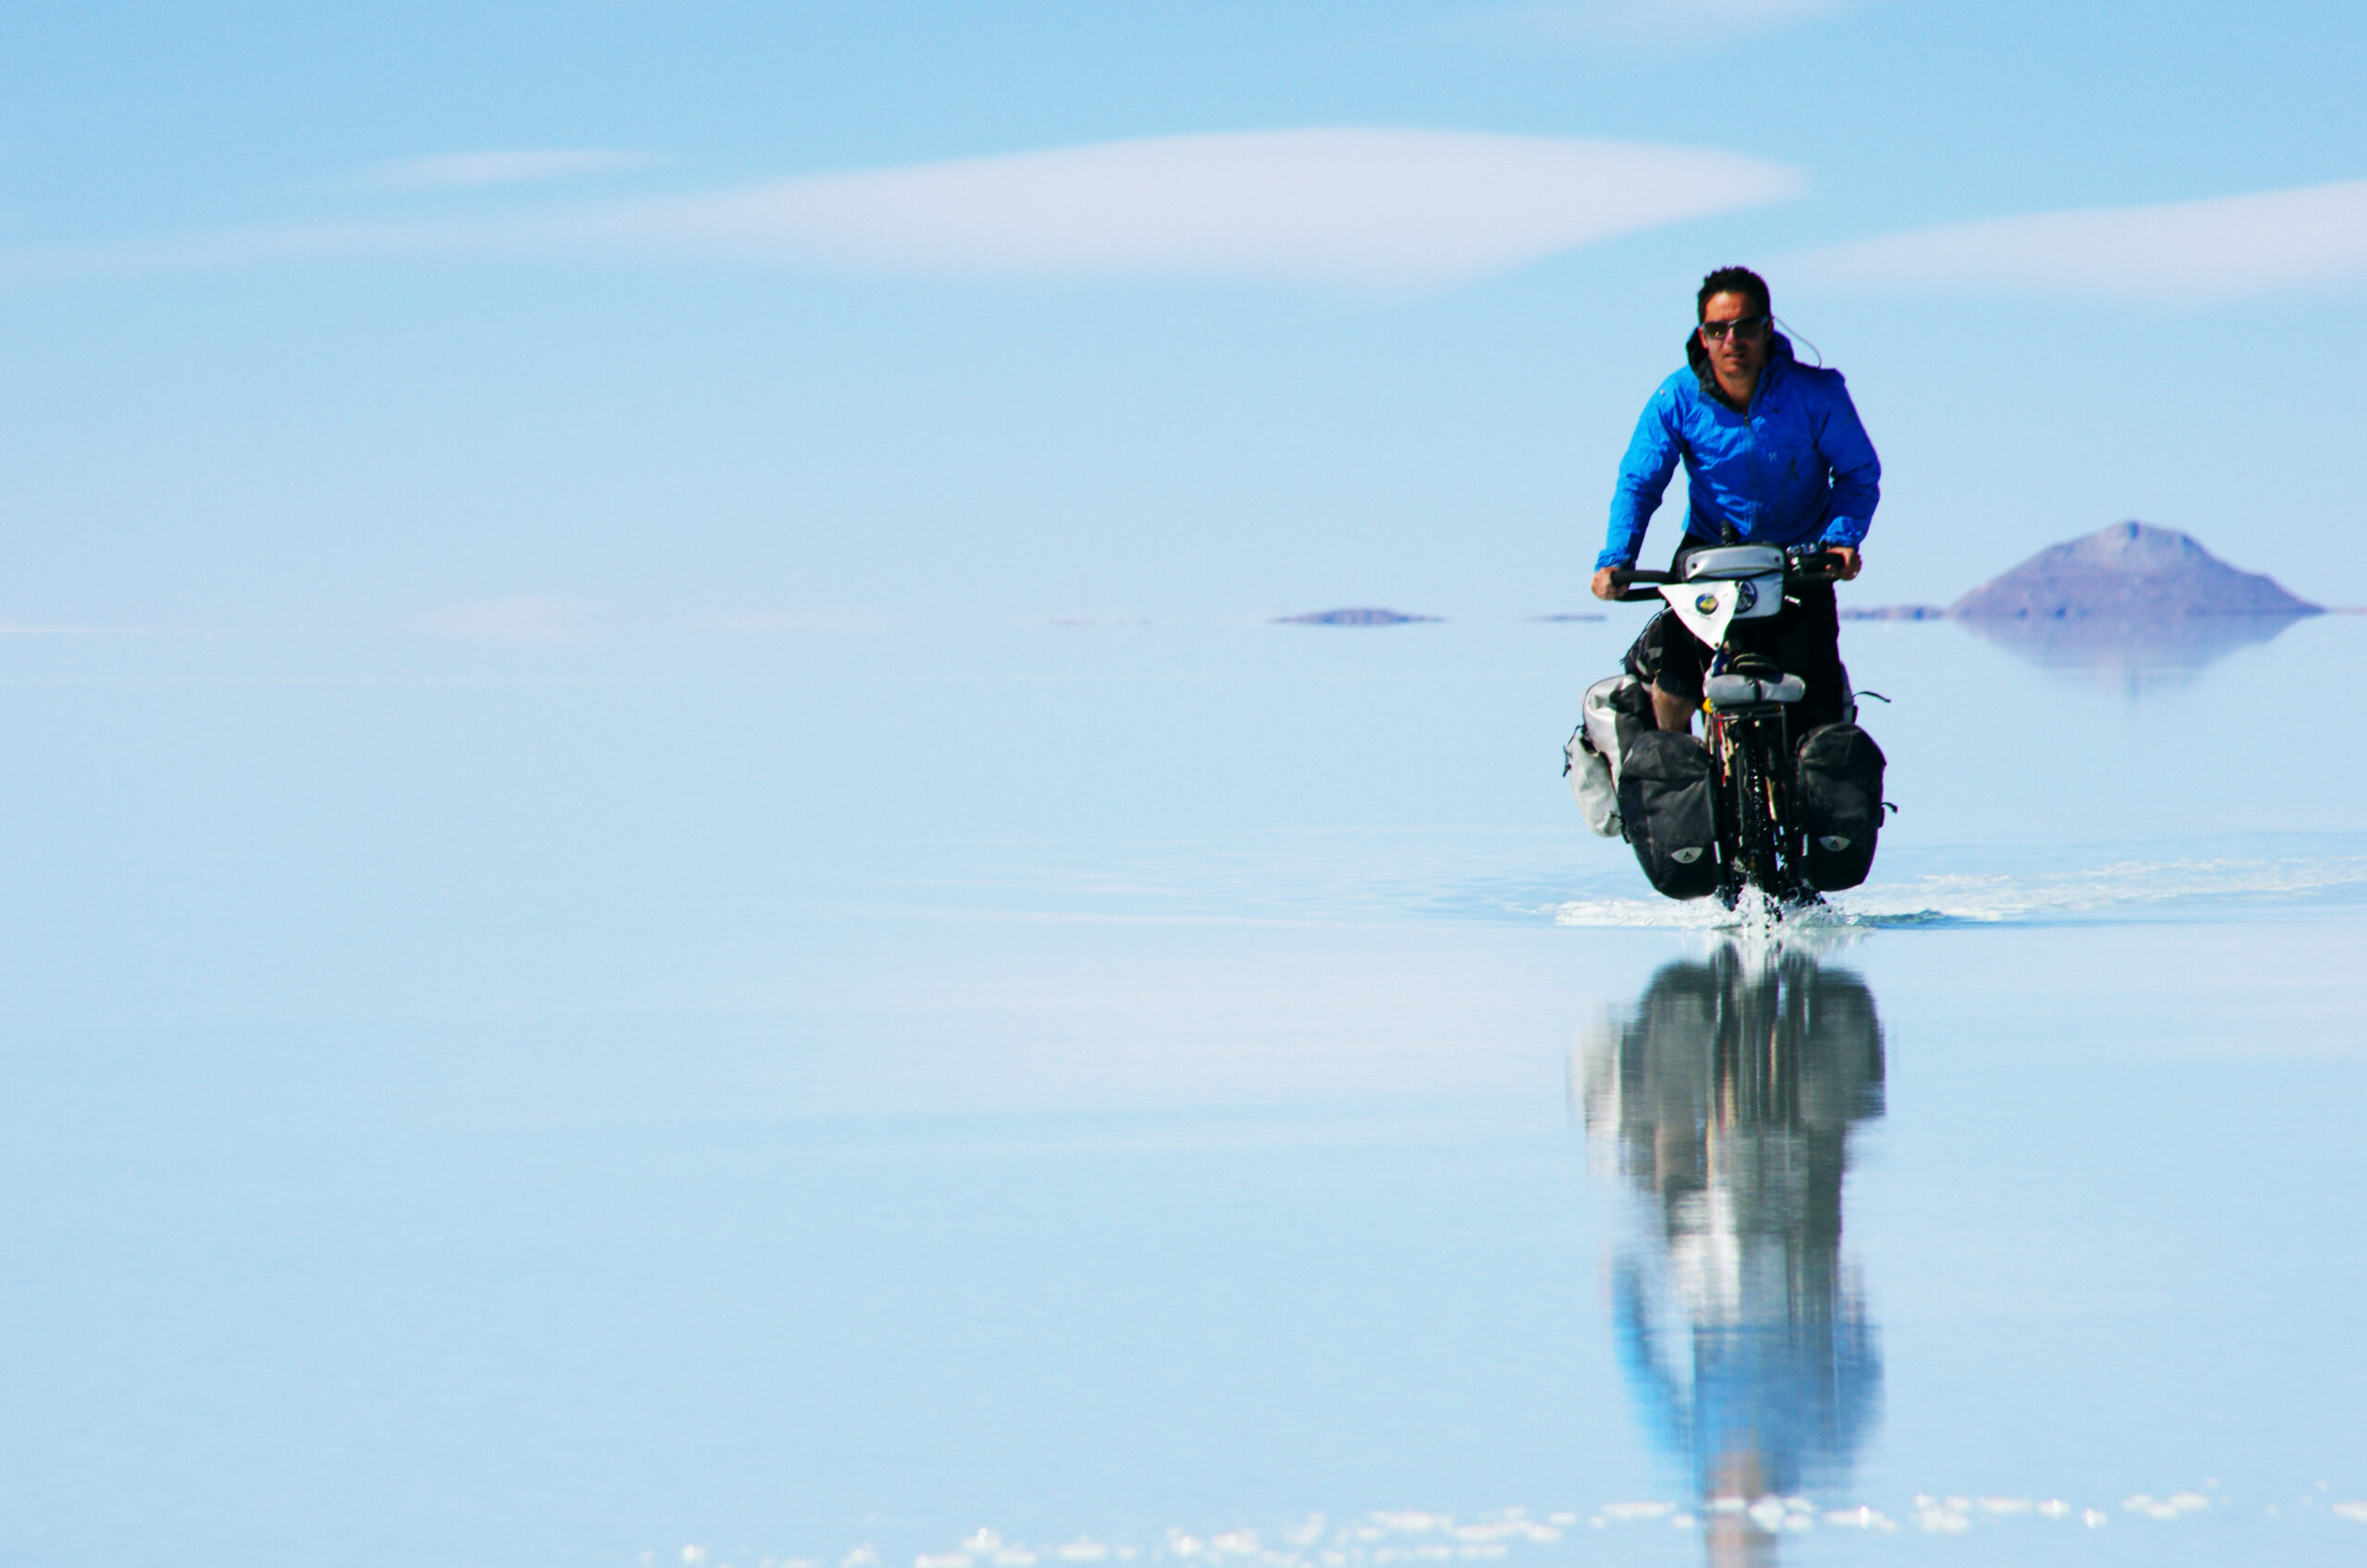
(1603, 586)
(1851, 564)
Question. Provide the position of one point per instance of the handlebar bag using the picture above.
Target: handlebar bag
(1839, 792)
(1733, 560)
(1664, 804)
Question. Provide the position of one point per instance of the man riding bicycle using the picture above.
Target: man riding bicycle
(1773, 453)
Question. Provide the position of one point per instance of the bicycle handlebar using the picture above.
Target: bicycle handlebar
(1635, 587)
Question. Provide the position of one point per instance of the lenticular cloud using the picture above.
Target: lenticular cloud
(1388, 211)
(2176, 252)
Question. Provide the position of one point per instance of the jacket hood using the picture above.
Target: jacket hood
(1779, 351)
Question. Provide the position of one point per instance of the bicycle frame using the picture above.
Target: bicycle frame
(1747, 724)
(1751, 789)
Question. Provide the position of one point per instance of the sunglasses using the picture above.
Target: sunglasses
(1750, 326)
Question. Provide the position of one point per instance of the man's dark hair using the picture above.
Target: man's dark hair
(1732, 280)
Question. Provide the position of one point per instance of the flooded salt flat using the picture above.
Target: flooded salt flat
(985, 1097)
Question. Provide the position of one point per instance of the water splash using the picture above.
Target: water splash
(2122, 889)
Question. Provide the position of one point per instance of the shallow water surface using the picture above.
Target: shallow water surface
(1009, 1096)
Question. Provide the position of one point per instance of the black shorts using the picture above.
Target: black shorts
(1803, 638)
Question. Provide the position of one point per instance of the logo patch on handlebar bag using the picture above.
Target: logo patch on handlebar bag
(1705, 603)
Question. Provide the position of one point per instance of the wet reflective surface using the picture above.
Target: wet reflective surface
(1019, 1096)
(1728, 1102)
(2134, 656)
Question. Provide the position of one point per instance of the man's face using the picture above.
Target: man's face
(1735, 332)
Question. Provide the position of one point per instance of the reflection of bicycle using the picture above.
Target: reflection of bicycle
(1750, 808)
(1727, 1100)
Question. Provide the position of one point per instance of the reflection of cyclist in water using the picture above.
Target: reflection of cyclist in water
(1773, 453)
(1727, 1101)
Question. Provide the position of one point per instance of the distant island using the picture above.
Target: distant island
(2134, 602)
(2132, 572)
(1362, 616)
(1896, 612)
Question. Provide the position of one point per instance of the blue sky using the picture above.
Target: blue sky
(703, 313)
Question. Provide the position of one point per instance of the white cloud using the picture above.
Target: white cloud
(1382, 211)
(2176, 252)
(465, 170)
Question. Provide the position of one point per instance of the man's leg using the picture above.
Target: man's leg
(1672, 712)
(1669, 660)
(1676, 678)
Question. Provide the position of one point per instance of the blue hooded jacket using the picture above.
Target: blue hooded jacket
(1796, 469)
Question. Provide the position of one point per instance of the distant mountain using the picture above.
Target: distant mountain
(1359, 617)
(2137, 606)
(1896, 612)
(2132, 572)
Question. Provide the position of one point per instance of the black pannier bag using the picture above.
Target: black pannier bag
(1840, 797)
(1664, 804)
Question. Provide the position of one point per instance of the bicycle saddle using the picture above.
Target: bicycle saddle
(1751, 679)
